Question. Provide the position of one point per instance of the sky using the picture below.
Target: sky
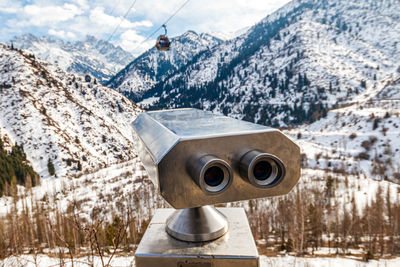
(74, 19)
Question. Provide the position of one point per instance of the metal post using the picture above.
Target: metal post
(235, 248)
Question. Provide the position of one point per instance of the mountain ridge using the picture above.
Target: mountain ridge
(92, 56)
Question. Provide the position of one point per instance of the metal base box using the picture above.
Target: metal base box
(235, 249)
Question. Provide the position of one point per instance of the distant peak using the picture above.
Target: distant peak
(91, 38)
(190, 33)
(26, 36)
(30, 35)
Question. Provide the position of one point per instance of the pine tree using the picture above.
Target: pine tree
(363, 84)
(14, 169)
(50, 167)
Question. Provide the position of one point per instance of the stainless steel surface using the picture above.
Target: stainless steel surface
(235, 249)
(269, 176)
(168, 139)
(194, 123)
(197, 224)
(198, 168)
(161, 130)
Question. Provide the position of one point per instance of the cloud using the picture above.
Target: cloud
(48, 15)
(62, 34)
(9, 7)
(143, 23)
(73, 19)
(131, 41)
(9, 10)
(208, 15)
(99, 17)
(82, 3)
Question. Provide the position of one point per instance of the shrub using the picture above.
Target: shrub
(373, 139)
(376, 123)
(366, 144)
(363, 156)
(353, 136)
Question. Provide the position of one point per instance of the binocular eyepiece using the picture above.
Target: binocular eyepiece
(214, 175)
(262, 169)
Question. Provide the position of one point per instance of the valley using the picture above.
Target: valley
(325, 72)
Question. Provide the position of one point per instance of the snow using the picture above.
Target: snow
(148, 101)
(129, 261)
(229, 35)
(323, 262)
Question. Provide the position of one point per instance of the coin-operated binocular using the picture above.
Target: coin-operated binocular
(197, 159)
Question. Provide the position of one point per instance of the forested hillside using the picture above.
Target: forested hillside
(15, 169)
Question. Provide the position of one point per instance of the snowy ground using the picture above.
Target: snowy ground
(360, 139)
(103, 190)
(129, 261)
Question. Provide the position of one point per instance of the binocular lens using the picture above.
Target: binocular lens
(262, 170)
(211, 173)
(214, 176)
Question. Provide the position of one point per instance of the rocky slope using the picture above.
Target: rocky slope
(79, 125)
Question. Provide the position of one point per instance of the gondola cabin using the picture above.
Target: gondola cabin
(163, 43)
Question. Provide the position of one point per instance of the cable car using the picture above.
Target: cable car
(163, 43)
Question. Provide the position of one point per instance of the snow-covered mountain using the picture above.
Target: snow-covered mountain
(153, 66)
(98, 58)
(80, 126)
(307, 57)
(229, 35)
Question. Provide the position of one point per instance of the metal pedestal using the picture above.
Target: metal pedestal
(234, 249)
(197, 224)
